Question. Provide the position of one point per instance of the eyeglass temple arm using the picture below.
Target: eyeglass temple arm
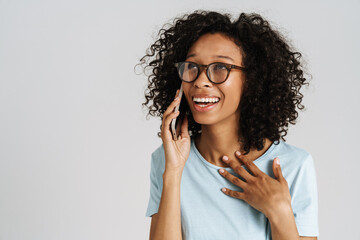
(238, 67)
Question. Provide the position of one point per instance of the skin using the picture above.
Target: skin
(218, 140)
(220, 125)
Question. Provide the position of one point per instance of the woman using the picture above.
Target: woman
(221, 179)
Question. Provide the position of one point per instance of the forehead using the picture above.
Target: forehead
(212, 45)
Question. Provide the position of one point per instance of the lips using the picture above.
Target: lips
(204, 107)
(205, 102)
(208, 105)
(204, 96)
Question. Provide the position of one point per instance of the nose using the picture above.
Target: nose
(202, 79)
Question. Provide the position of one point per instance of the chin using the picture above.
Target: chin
(203, 119)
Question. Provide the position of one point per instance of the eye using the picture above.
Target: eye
(220, 66)
(191, 66)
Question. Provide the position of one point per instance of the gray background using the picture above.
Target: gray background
(75, 145)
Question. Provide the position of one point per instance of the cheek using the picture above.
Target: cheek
(186, 89)
(232, 97)
(232, 102)
(232, 91)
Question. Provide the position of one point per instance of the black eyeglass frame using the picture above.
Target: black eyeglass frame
(227, 65)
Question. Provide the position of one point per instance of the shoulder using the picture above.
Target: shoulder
(296, 164)
(158, 151)
(294, 156)
(293, 150)
(158, 158)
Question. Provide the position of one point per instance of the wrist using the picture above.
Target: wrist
(281, 212)
(282, 223)
(172, 174)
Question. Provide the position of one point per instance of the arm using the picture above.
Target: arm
(303, 206)
(283, 226)
(167, 223)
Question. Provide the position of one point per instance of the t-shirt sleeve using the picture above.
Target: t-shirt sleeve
(155, 185)
(305, 199)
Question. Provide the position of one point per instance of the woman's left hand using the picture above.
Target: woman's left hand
(266, 194)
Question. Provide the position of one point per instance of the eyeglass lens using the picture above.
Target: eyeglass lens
(217, 72)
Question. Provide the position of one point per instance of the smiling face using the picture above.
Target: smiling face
(207, 49)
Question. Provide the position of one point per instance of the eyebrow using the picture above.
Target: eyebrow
(217, 56)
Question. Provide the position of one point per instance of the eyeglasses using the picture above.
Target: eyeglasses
(216, 72)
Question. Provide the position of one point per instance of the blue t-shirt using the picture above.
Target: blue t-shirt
(208, 213)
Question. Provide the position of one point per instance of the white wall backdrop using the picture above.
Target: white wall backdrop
(75, 145)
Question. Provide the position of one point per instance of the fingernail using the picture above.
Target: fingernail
(223, 189)
(238, 153)
(176, 98)
(221, 170)
(277, 161)
(225, 158)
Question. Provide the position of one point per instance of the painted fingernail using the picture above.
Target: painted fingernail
(225, 158)
(221, 170)
(223, 189)
(238, 153)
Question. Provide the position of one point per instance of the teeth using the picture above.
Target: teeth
(213, 100)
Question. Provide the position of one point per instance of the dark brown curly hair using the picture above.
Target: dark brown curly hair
(273, 77)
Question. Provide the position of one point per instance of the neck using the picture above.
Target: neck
(218, 140)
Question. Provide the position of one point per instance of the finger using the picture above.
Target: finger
(249, 164)
(234, 180)
(277, 169)
(237, 168)
(165, 131)
(234, 194)
(185, 127)
(172, 105)
(169, 118)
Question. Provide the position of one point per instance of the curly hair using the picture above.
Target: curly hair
(273, 78)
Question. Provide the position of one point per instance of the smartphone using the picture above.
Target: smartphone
(173, 122)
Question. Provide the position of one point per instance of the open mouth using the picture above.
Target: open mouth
(202, 104)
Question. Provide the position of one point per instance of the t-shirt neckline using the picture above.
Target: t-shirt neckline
(259, 159)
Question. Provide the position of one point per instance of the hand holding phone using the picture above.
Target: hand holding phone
(176, 146)
(173, 122)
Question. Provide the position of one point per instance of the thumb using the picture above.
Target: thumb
(277, 169)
